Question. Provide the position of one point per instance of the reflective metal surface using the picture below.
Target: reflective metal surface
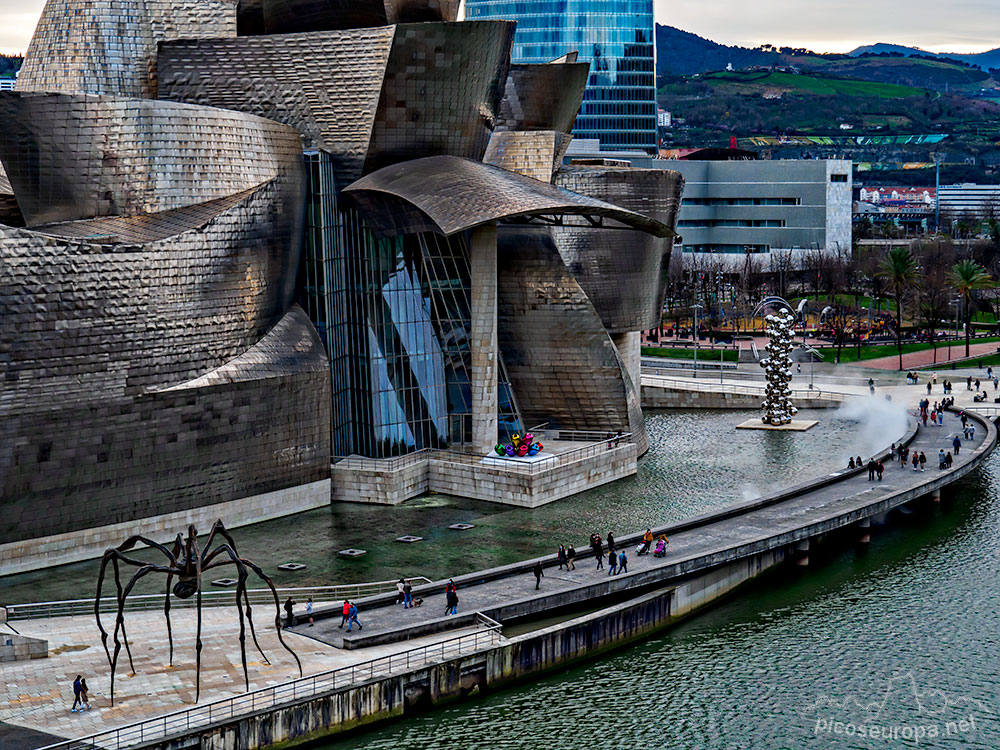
(535, 153)
(109, 46)
(543, 97)
(294, 16)
(79, 156)
(370, 97)
(624, 272)
(562, 364)
(447, 194)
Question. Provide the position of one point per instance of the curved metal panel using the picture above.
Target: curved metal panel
(447, 194)
(623, 273)
(326, 85)
(441, 92)
(543, 97)
(74, 157)
(563, 367)
(296, 16)
(257, 424)
(109, 46)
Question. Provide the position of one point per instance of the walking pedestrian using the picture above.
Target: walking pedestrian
(561, 554)
(902, 457)
(76, 693)
(948, 460)
(871, 469)
(957, 445)
(611, 542)
(452, 597)
(597, 543)
(309, 610)
(570, 558)
(996, 383)
(537, 570)
(941, 458)
(407, 594)
(612, 563)
(399, 591)
(923, 460)
(972, 431)
(352, 618)
(968, 383)
(345, 613)
(879, 468)
(940, 418)
(923, 416)
(928, 389)
(915, 461)
(84, 695)
(934, 417)
(622, 562)
(290, 618)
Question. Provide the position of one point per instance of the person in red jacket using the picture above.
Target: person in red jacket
(346, 611)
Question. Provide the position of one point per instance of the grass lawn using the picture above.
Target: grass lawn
(850, 353)
(705, 355)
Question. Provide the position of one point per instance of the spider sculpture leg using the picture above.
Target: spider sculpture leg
(193, 555)
(241, 587)
(178, 545)
(219, 528)
(113, 556)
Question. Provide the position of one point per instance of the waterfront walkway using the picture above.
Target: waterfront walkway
(843, 498)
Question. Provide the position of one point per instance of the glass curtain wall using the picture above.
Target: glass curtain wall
(615, 37)
(394, 316)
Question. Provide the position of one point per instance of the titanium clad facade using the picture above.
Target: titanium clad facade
(109, 46)
(300, 16)
(369, 97)
(562, 364)
(624, 272)
(79, 156)
(615, 37)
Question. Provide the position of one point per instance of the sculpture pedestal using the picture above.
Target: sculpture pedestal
(796, 425)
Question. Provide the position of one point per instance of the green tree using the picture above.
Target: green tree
(899, 269)
(966, 277)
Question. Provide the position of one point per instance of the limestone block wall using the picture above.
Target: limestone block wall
(654, 397)
(21, 648)
(481, 481)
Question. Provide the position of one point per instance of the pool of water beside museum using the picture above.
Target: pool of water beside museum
(697, 461)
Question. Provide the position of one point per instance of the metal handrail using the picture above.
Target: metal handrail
(749, 390)
(246, 704)
(143, 602)
(599, 445)
(660, 371)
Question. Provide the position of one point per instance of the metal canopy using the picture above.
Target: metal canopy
(449, 194)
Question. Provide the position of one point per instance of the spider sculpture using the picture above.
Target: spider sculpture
(186, 563)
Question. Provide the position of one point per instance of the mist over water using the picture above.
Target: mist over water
(878, 423)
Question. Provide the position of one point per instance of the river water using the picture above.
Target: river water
(898, 640)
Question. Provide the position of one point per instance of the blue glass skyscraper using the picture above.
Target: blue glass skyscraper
(615, 37)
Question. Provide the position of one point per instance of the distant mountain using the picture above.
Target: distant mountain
(984, 60)
(683, 54)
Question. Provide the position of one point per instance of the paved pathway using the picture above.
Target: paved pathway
(925, 357)
(38, 694)
(812, 507)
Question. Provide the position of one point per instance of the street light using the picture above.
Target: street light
(696, 307)
(810, 352)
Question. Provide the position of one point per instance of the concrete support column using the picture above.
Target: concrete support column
(630, 348)
(485, 378)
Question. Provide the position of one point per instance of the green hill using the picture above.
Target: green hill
(763, 82)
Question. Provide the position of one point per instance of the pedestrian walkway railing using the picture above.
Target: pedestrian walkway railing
(228, 709)
(759, 377)
(598, 443)
(319, 594)
(746, 390)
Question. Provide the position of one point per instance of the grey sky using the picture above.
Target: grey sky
(823, 25)
(840, 25)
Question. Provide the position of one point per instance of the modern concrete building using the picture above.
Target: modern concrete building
(731, 208)
(615, 37)
(456, 286)
(968, 201)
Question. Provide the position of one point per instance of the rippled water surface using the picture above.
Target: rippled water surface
(897, 637)
(698, 460)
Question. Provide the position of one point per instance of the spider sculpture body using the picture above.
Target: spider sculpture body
(186, 562)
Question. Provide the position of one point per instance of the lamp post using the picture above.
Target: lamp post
(696, 307)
